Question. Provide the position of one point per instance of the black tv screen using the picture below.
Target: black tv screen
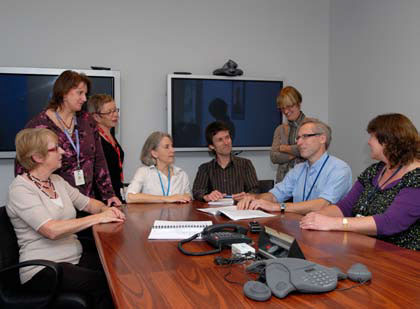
(248, 106)
(24, 94)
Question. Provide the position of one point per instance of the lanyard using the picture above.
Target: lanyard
(76, 146)
(116, 148)
(316, 178)
(161, 183)
(372, 194)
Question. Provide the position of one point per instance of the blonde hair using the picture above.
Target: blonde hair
(151, 143)
(32, 141)
(96, 102)
(288, 96)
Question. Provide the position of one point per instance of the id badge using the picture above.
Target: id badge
(79, 178)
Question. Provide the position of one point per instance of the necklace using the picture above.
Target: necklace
(69, 128)
(43, 185)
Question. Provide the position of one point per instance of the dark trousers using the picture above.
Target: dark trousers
(87, 277)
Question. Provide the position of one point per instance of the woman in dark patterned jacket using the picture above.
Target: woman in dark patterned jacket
(83, 161)
(385, 200)
(105, 112)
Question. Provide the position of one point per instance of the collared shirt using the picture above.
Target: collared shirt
(146, 180)
(238, 176)
(333, 183)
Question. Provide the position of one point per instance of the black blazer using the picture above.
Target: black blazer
(111, 157)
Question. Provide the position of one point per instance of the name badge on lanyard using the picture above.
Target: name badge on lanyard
(79, 178)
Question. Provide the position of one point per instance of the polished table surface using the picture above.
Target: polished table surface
(146, 273)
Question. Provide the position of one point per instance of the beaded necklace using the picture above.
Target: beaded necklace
(41, 185)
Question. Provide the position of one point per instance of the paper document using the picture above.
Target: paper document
(176, 229)
(235, 214)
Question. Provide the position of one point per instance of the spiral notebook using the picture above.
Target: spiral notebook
(176, 229)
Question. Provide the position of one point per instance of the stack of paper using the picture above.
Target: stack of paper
(233, 213)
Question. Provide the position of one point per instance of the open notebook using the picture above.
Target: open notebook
(235, 214)
(176, 229)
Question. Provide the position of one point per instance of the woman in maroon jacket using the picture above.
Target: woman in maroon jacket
(83, 160)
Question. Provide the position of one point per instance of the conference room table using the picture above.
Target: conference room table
(144, 273)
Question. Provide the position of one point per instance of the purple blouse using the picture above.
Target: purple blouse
(92, 159)
(399, 216)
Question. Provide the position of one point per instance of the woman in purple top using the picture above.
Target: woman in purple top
(83, 160)
(385, 200)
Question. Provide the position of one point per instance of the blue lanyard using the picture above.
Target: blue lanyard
(372, 194)
(306, 177)
(161, 183)
(76, 146)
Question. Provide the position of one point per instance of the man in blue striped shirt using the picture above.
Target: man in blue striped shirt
(319, 181)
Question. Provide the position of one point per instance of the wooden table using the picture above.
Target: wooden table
(154, 274)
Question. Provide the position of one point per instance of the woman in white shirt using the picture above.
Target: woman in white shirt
(158, 181)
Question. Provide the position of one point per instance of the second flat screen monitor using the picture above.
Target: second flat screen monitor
(247, 106)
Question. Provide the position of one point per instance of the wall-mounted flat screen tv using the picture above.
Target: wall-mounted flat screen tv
(24, 92)
(246, 105)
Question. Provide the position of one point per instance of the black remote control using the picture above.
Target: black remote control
(100, 68)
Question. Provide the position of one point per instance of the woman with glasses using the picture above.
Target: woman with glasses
(106, 115)
(284, 151)
(84, 162)
(42, 209)
(385, 200)
(159, 180)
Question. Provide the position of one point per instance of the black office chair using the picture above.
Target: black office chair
(265, 185)
(11, 293)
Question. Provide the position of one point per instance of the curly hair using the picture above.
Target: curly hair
(399, 137)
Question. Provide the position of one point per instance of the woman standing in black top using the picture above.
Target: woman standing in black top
(106, 114)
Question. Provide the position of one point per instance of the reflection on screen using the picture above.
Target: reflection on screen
(22, 96)
(248, 107)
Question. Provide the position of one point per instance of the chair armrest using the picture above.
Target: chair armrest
(56, 279)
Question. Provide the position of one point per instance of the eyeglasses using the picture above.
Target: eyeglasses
(53, 149)
(117, 110)
(305, 136)
(289, 107)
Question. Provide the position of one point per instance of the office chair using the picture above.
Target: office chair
(265, 185)
(11, 293)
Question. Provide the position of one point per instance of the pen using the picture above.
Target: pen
(228, 196)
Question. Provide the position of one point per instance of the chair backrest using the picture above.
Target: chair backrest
(265, 185)
(9, 250)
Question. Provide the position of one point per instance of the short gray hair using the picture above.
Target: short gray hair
(151, 143)
(321, 127)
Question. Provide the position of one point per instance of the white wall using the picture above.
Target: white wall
(374, 69)
(146, 40)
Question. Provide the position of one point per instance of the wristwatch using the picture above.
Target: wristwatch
(345, 223)
(282, 207)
